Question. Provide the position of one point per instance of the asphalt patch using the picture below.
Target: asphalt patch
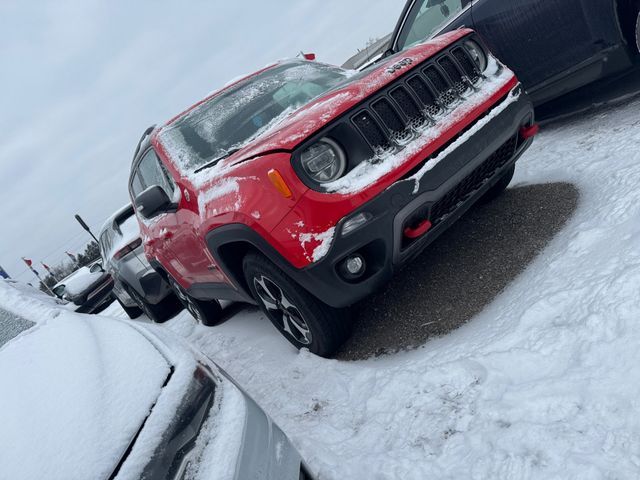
(461, 272)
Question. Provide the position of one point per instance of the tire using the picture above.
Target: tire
(160, 312)
(132, 312)
(638, 32)
(501, 185)
(207, 313)
(299, 316)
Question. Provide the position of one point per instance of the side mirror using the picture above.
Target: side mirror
(152, 201)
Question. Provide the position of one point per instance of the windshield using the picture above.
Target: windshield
(236, 116)
(427, 18)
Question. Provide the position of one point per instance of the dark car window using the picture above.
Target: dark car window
(106, 240)
(136, 184)
(59, 291)
(426, 18)
(236, 116)
(152, 173)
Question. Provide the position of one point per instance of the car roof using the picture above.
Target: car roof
(124, 211)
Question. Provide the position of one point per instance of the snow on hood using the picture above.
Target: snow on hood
(80, 281)
(74, 393)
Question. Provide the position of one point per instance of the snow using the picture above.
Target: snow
(130, 231)
(368, 172)
(543, 384)
(83, 383)
(321, 241)
(80, 281)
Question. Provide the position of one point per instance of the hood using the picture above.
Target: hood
(318, 113)
(83, 282)
(74, 394)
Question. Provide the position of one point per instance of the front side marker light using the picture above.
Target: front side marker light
(355, 222)
(278, 182)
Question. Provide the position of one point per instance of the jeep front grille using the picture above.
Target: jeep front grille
(392, 116)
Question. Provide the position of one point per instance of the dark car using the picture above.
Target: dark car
(89, 288)
(553, 46)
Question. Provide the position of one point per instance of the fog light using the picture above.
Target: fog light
(353, 266)
(355, 222)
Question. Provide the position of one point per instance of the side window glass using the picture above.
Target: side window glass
(426, 20)
(153, 173)
(136, 184)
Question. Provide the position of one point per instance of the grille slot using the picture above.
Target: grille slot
(454, 74)
(470, 69)
(406, 103)
(436, 79)
(425, 95)
(371, 131)
(388, 115)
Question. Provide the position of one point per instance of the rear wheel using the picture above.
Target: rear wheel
(132, 312)
(208, 313)
(501, 185)
(159, 312)
(303, 319)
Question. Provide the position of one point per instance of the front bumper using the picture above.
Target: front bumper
(98, 299)
(443, 195)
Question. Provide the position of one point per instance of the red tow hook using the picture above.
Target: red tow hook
(529, 132)
(418, 231)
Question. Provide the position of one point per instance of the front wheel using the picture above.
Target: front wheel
(160, 312)
(208, 313)
(303, 319)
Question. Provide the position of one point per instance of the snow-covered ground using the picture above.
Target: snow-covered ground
(544, 383)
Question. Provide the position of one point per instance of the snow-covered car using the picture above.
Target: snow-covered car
(137, 286)
(117, 400)
(90, 288)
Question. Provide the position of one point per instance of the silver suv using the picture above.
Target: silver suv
(138, 287)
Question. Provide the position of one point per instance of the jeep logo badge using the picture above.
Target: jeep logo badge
(405, 62)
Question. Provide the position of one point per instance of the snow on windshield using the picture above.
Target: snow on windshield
(233, 118)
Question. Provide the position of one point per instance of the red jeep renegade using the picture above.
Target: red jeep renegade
(303, 187)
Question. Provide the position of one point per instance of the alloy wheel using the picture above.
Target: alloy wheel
(283, 310)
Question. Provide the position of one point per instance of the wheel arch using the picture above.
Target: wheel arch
(231, 243)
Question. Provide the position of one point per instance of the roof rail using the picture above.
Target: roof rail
(146, 133)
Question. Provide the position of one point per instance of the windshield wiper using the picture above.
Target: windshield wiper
(216, 160)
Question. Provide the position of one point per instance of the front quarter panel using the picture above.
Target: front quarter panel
(245, 195)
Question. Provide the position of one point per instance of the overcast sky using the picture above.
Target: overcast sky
(81, 80)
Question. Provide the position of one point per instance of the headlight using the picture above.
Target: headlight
(324, 161)
(477, 54)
